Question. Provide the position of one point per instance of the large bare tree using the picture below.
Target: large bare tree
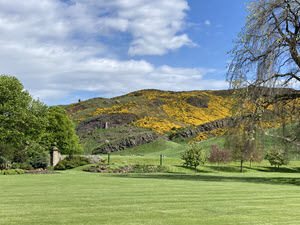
(266, 59)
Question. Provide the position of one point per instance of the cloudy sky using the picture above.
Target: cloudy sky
(63, 50)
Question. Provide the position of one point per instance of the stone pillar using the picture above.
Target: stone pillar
(55, 155)
(106, 125)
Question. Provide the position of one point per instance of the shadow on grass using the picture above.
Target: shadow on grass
(236, 169)
(280, 170)
(191, 170)
(231, 169)
(216, 178)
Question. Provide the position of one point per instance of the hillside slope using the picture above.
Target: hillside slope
(144, 116)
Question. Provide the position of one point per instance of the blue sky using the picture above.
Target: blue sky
(63, 50)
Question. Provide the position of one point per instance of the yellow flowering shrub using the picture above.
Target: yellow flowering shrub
(218, 108)
(79, 120)
(200, 137)
(115, 109)
(74, 110)
(265, 125)
(218, 132)
(156, 124)
(209, 134)
(178, 109)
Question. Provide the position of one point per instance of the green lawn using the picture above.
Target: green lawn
(155, 148)
(167, 148)
(76, 197)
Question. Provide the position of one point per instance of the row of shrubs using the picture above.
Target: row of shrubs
(117, 168)
(71, 162)
(34, 156)
(12, 172)
(30, 156)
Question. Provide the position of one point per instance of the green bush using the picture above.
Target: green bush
(117, 168)
(61, 165)
(31, 156)
(22, 166)
(15, 165)
(4, 164)
(6, 151)
(25, 166)
(72, 162)
(39, 161)
(38, 157)
(20, 156)
(147, 169)
(12, 172)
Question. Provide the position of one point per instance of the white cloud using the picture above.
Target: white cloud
(53, 47)
(56, 77)
(207, 22)
(153, 25)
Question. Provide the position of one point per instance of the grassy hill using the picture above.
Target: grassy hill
(159, 110)
(140, 115)
(153, 122)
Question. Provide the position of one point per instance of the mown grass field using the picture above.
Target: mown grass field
(76, 197)
(261, 195)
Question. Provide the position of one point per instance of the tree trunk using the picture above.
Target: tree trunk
(241, 166)
(218, 167)
(250, 164)
(195, 169)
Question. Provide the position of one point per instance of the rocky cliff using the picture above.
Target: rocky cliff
(103, 120)
(222, 123)
(129, 142)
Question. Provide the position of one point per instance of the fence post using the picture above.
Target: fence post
(161, 160)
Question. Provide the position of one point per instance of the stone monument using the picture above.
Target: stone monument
(55, 155)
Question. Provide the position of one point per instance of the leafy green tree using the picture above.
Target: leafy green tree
(277, 157)
(24, 119)
(194, 156)
(21, 117)
(61, 130)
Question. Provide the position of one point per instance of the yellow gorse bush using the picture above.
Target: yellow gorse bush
(193, 116)
(178, 109)
(155, 124)
(209, 134)
(115, 109)
(79, 120)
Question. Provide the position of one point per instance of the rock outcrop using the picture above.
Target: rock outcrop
(198, 102)
(222, 123)
(112, 120)
(129, 142)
